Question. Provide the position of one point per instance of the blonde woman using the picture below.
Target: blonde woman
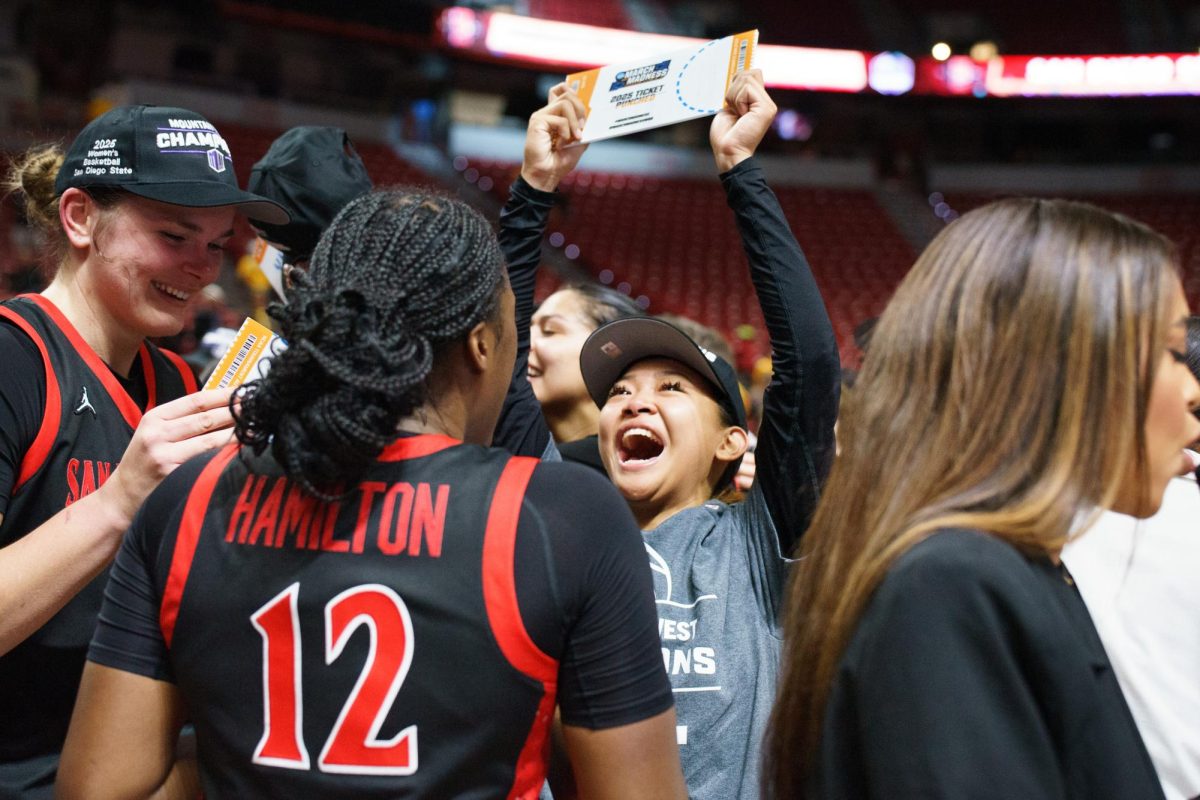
(1028, 371)
(92, 416)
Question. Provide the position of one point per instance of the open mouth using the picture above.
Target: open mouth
(639, 446)
(171, 291)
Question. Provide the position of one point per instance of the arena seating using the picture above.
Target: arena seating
(604, 13)
(817, 25)
(673, 240)
(1031, 26)
(1173, 215)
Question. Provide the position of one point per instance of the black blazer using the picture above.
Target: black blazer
(976, 672)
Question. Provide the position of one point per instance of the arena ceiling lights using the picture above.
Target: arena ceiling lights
(528, 41)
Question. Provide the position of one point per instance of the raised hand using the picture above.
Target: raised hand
(551, 129)
(738, 128)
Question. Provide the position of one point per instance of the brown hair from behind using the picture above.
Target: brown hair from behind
(1006, 392)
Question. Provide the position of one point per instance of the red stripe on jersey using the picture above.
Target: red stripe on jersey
(188, 537)
(407, 447)
(129, 409)
(504, 616)
(185, 371)
(37, 453)
(535, 755)
(148, 374)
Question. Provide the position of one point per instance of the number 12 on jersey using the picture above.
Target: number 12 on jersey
(353, 746)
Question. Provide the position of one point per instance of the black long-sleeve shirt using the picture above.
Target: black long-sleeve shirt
(522, 429)
(720, 570)
(795, 441)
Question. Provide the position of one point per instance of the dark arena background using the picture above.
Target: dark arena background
(896, 116)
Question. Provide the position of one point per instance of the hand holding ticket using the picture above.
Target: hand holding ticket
(737, 129)
(654, 92)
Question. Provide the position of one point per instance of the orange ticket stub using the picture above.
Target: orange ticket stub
(248, 357)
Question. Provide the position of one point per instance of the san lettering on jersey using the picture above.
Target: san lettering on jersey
(394, 520)
(85, 476)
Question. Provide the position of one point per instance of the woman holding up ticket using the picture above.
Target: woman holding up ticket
(136, 212)
(672, 432)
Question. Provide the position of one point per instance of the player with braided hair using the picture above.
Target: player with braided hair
(355, 368)
(400, 607)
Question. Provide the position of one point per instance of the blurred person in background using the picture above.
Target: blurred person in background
(560, 325)
(313, 172)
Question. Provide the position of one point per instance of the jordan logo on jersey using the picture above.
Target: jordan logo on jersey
(85, 405)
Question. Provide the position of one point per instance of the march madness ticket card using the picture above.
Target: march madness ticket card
(654, 92)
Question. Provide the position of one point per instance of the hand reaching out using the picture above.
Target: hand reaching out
(738, 128)
(551, 128)
(167, 436)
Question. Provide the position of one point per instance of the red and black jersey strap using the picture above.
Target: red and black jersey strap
(188, 536)
(129, 409)
(185, 372)
(426, 444)
(504, 616)
(499, 583)
(39, 451)
(149, 376)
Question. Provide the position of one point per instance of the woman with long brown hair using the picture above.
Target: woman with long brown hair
(1027, 374)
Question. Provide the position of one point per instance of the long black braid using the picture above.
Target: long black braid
(397, 274)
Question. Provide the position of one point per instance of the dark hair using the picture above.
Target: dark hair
(396, 275)
(603, 304)
(1193, 345)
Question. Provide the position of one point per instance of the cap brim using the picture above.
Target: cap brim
(615, 347)
(209, 195)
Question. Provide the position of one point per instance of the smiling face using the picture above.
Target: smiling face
(663, 439)
(149, 260)
(559, 329)
(1171, 424)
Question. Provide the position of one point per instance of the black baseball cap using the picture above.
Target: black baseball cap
(314, 172)
(615, 347)
(161, 153)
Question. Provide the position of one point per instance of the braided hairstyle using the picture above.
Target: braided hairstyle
(397, 274)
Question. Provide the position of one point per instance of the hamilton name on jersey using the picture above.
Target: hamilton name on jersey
(393, 519)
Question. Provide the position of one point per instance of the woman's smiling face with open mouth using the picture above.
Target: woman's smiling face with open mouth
(663, 436)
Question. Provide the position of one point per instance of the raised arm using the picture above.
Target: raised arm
(795, 441)
(522, 429)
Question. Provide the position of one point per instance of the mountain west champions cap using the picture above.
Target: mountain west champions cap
(615, 347)
(167, 154)
(313, 172)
